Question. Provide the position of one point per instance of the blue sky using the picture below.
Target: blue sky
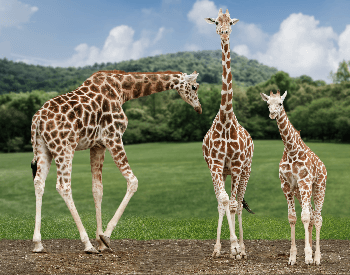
(298, 37)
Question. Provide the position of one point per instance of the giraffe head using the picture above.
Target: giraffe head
(275, 102)
(223, 24)
(187, 89)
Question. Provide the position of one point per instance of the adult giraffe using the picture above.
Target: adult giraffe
(91, 117)
(228, 148)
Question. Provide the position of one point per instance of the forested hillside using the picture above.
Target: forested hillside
(21, 77)
(320, 111)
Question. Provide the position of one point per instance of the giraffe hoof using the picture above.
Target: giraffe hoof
(40, 251)
(106, 240)
(38, 248)
(216, 254)
(91, 250)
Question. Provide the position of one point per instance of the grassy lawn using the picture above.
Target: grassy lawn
(175, 193)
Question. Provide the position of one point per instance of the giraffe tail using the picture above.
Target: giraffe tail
(33, 163)
(246, 206)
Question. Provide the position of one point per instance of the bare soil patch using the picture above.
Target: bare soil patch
(168, 257)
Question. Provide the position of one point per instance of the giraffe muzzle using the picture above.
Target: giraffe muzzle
(198, 109)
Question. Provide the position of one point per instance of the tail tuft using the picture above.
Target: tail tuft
(34, 167)
(246, 206)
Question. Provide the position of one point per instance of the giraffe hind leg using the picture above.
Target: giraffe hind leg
(97, 155)
(63, 187)
(40, 169)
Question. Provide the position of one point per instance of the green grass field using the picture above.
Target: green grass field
(175, 197)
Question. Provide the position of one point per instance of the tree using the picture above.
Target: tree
(342, 74)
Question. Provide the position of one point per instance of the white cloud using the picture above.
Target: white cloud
(200, 10)
(13, 13)
(192, 47)
(242, 50)
(302, 47)
(119, 45)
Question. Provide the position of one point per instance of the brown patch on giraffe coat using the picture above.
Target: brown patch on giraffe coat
(224, 86)
(86, 118)
(98, 79)
(50, 115)
(137, 90)
(159, 86)
(224, 72)
(91, 95)
(54, 134)
(94, 88)
(65, 108)
(87, 82)
(94, 106)
(165, 77)
(229, 77)
(78, 110)
(147, 89)
(59, 100)
(226, 48)
(71, 116)
(105, 106)
(106, 119)
(128, 83)
(216, 135)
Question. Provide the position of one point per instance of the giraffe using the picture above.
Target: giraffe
(302, 175)
(228, 149)
(91, 117)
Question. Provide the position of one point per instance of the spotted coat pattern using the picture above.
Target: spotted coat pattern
(91, 117)
(228, 147)
(303, 175)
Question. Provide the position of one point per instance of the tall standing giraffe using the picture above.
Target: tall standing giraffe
(228, 148)
(91, 117)
(302, 175)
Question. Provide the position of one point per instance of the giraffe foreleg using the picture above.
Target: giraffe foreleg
(43, 163)
(97, 155)
(119, 156)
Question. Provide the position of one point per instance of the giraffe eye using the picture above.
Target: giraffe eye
(217, 23)
(194, 87)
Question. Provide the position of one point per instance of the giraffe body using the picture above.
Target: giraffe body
(91, 117)
(303, 175)
(228, 148)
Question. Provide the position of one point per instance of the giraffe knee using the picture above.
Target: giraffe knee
(233, 206)
(305, 216)
(39, 186)
(133, 183)
(63, 189)
(292, 218)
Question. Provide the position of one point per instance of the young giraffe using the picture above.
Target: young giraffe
(303, 175)
(228, 148)
(91, 117)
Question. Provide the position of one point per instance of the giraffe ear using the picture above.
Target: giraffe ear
(284, 95)
(264, 97)
(234, 21)
(210, 20)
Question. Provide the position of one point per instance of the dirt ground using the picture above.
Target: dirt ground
(168, 257)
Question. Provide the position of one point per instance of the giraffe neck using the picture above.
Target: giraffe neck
(133, 85)
(226, 111)
(140, 85)
(290, 136)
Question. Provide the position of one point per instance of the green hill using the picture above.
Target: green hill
(21, 77)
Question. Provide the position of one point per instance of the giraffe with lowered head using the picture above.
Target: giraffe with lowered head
(91, 117)
(228, 148)
(303, 175)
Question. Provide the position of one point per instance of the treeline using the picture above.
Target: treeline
(20, 77)
(320, 111)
